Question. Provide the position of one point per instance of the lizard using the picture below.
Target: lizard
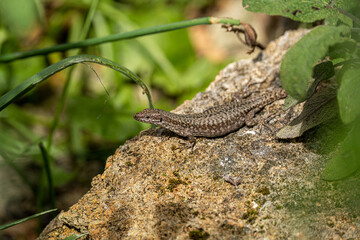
(213, 122)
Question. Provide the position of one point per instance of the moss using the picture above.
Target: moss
(161, 191)
(278, 207)
(198, 234)
(174, 182)
(263, 190)
(234, 229)
(216, 177)
(176, 174)
(250, 215)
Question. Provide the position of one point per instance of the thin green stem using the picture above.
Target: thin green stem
(119, 36)
(47, 170)
(75, 236)
(2, 227)
(89, 18)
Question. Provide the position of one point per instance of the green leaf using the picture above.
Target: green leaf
(318, 109)
(2, 227)
(289, 102)
(344, 50)
(322, 71)
(347, 159)
(303, 11)
(296, 68)
(348, 94)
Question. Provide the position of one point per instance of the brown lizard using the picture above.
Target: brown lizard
(214, 122)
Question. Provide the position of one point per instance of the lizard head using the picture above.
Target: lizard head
(153, 116)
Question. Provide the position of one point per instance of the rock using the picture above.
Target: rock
(154, 187)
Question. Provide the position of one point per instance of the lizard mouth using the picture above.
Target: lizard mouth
(139, 117)
(143, 118)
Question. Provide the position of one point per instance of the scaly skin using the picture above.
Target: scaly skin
(214, 122)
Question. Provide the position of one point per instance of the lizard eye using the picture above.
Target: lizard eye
(147, 117)
(160, 119)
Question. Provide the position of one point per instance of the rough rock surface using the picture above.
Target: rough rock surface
(154, 187)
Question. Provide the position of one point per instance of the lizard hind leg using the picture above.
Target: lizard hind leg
(250, 118)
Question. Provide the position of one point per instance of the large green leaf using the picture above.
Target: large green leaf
(321, 107)
(297, 66)
(346, 160)
(348, 94)
(322, 71)
(344, 50)
(303, 11)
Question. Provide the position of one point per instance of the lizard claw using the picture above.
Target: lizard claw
(189, 144)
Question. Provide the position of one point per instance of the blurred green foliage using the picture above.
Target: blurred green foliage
(92, 124)
(20, 16)
(326, 54)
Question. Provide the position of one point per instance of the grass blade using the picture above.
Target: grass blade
(38, 78)
(75, 236)
(5, 226)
